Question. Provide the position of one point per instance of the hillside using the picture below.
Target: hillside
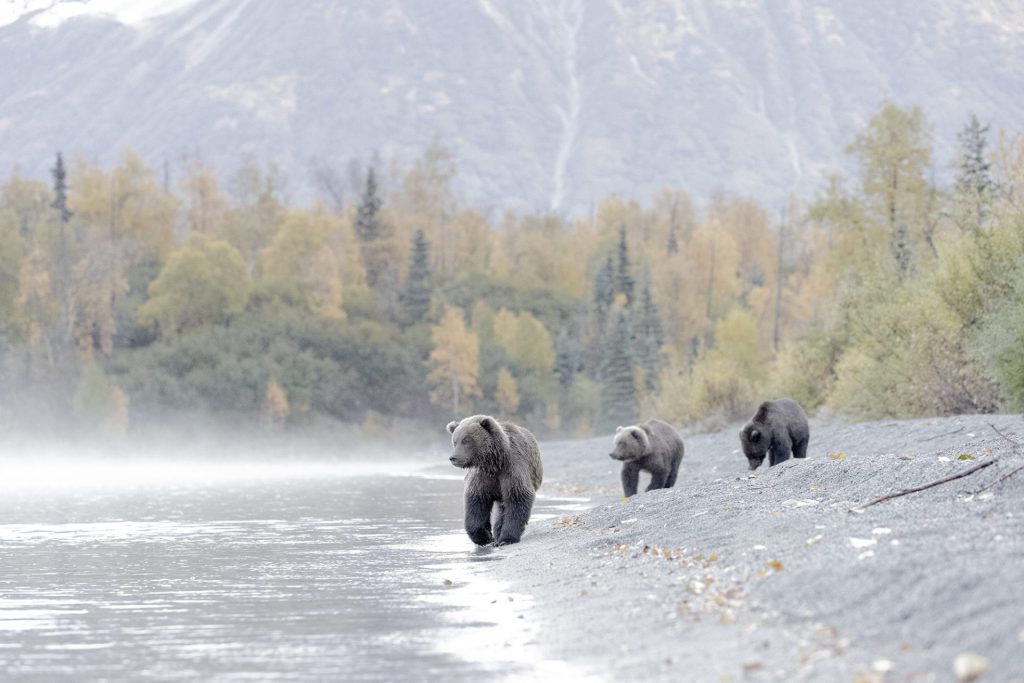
(545, 106)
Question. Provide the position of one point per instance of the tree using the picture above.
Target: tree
(275, 405)
(204, 283)
(618, 396)
(975, 189)
(301, 267)
(506, 394)
(567, 358)
(418, 285)
(455, 361)
(893, 152)
(368, 226)
(623, 278)
(604, 292)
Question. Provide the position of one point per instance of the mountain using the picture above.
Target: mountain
(545, 104)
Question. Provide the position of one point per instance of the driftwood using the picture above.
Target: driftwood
(1016, 450)
(906, 492)
(959, 475)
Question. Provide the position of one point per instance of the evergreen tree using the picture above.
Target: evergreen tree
(974, 185)
(623, 279)
(367, 222)
(651, 332)
(673, 241)
(618, 396)
(567, 358)
(418, 287)
(60, 190)
(604, 292)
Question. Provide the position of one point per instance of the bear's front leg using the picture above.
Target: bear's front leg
(630, 478)
(478, 519)
(658, 476)
(499, 518)
(515, 514)
(780, 451)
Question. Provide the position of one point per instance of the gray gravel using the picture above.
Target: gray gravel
(729, 577)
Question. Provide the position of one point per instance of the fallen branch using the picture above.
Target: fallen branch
(906, 492)
(1016, 451)
(939, 436)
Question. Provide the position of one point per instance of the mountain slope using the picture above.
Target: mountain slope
(546, 105)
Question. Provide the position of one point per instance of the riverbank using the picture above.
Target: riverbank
(785, 575)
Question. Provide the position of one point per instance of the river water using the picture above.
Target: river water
(297, 572)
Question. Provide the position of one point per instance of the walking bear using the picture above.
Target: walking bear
(505, 472)
(778, 428)
(653, 447)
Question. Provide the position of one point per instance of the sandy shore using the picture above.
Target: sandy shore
(779, 576)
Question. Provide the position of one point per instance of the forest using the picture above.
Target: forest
(127, 296)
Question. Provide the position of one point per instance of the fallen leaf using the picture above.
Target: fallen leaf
(776, 565)
(837, 456)
(813, 540)
(965, 456)
(970, 667)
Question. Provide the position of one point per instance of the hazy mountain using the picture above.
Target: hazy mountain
(545, 104)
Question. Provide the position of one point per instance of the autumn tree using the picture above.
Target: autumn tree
(204, 283)
(506, 394)
(454, 363)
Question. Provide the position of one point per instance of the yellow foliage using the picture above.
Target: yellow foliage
(454, 362)
(506, 393)
(275, 404)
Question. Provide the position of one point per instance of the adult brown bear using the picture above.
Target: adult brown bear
(505, 472)
(778, 429)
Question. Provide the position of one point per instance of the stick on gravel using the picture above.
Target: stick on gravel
(905, 492)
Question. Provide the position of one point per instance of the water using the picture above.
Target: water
(293, 573)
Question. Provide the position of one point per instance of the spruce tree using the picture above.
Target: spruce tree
(367, 221)
(618, 395)
(418, 287)
(651, 333)
(974, 185)
(60, 190)
(673, 241)
(567, 358)
(604, 292)
(623, 279)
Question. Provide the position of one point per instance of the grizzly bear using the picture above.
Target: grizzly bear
(653, 447)
(778, 428)
(505, 472)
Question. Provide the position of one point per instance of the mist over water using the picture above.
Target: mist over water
(298, 571)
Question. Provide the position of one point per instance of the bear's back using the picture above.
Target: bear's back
(525, 452)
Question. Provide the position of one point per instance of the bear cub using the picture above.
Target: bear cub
(505, 472)
(778, 429)
(654, 447)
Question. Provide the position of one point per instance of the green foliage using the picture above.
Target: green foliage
(418, 286)
(204, 283)
(618, 377)
(100, 406)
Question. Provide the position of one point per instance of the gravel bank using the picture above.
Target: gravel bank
(780, 576)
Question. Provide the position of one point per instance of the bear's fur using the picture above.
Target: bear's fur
(654, 447)
(505, 472)
(778, 429)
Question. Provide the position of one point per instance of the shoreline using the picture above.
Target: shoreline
(731, 577)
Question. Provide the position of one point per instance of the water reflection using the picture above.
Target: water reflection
(298, 576)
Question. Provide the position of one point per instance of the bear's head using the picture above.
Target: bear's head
(478, 441)
(631, 443)
(754, 441)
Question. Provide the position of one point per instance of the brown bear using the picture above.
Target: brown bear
(653, 447)
(505, 472)
(778, 429)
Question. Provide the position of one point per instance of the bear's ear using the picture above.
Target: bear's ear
(755, 435)
(451, 426)
(618, 429)
(762, 413)
(490, 424)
